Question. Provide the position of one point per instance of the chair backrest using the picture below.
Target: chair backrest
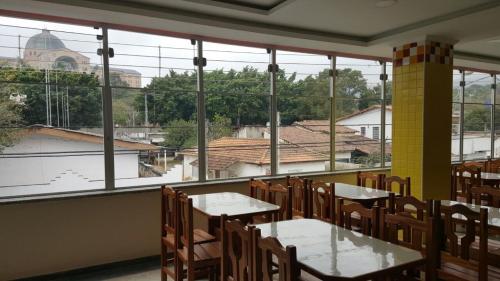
(367, 179)
(269, 254)
(236, 255)
(323, 201)
(404, 185)
(300, 199)
(493, 166)
(484, 195)
(168, 202)
(420, 235)
(281, 196)
(465, 177)
(459, 247)
(368, 218)
(184, 236)
(409, 206)
(259, 189)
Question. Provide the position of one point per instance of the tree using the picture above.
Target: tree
(219, 127)
(180, 134)
(10, 119)
(82, 90)
(477, 119)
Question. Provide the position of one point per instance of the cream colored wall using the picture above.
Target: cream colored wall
(52, 236)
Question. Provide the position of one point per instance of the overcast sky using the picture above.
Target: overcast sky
(144, 58)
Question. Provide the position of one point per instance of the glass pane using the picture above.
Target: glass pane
(477, 88)
(304, 110)
(50, 108)
(455, 132)
(154, 109)
(477, 136)
(358, 100)
(457, 94)
(237, 111)
(388, 117)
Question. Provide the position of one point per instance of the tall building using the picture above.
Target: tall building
(47, 51)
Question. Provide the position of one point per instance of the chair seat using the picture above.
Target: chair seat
(206, 254)
(305, 276)
(200, 236)
(493, 250)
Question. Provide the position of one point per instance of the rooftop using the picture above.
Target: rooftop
(227, 151)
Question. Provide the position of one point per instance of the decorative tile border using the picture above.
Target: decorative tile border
(427, 51)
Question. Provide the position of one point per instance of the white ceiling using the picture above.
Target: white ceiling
(347, 26)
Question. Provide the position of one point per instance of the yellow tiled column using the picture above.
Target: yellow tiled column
(421, 117)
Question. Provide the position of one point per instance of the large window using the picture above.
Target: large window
(359, 114)
(473, 105)
(182, 110)
(236, 87)
(154, 109)
(50, 108)
(303, 112)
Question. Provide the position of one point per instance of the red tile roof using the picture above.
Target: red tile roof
(226, 151)
(323, 126)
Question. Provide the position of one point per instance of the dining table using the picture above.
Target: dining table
(363, 195)
(234, 205)
(331, 252)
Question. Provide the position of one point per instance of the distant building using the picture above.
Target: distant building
(65, 159)
(242, 157)
(47, 51)
(367, 122)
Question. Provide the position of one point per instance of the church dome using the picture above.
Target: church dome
(45, 41)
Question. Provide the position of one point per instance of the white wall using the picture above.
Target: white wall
(63, 162)
(372, 118)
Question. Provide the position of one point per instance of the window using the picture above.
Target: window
(154, 109)
(50, 103)
(358, 105)
(477, 116)
(376, 133)
(236, 85)
(304, 112)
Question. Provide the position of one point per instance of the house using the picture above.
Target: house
(241, 157)
(367, 122)
(60, 159)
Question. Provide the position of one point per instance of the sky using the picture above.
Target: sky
(140, 51)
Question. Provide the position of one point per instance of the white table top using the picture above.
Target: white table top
(230, 203)
(485, 176)
(493, 213)
(354, 192)
(335, 252)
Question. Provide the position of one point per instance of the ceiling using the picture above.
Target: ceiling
(345, 26)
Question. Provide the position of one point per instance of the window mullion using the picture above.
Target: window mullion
(333, 80)
(107, 107)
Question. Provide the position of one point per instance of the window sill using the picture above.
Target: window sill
(154, 187)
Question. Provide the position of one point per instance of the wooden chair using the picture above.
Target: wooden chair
(323, 201)
(259, 189)
(455, 260)
(281, 196)
(464, 182)
(409, 206)
(484, 195)
(237, 242)
(493, 166)
(404, 185)
(269, 253)
(368, 218)
(168, 225)
(300, 199)
(367, 179)
(201, 259)
(419, 235)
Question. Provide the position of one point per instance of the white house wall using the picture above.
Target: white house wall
(26, 168)
(369, 120)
